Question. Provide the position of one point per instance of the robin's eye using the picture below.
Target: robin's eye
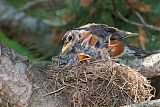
(70, 38)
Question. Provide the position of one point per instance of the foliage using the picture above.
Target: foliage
(74, 13)
(15, 45)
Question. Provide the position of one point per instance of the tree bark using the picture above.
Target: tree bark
(150, 68)
(35, 34)
(22, 84)
(153, 103)
(150, 65)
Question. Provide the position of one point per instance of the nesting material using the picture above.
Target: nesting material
(102, 84)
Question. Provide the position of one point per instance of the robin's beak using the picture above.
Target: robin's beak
(66, 47)
(129, 34)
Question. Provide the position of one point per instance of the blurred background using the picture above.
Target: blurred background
(34, 28)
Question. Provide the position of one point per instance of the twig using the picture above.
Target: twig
(140, 17)
(32, 3)
(54, 91)
(142, 24)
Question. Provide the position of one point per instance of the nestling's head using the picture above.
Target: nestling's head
(69, 39)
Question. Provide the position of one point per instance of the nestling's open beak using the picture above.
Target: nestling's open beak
(66, 47)
(84, 57)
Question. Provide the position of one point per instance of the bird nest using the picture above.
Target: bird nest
(102, 84)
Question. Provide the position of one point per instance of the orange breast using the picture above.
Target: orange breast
(85, 35)
(93, 40)
(116, 47)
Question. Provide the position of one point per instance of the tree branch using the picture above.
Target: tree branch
(33, 33)
(32, 3)
(140, 17)
(23, 84)
(152, 103)
(143, 24)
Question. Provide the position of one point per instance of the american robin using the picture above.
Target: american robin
(104, 30)
(93, 41)
(72, 51)
(84, 54)
(68, 58)
(133, 56)
(92, 35)
(69, 40)
(98, 34)
(73, 42)
(118, 48)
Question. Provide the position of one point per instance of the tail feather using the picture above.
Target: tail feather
(139, 53)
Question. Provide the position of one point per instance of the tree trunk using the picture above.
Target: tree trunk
(22, 84)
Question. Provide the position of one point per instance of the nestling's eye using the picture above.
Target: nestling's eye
(70, 38)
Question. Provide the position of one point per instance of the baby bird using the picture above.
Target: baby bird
(92, 41)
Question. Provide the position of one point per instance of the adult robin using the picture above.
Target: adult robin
(87, 42)
(92, 35)
(98, 34)
(118, 48)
